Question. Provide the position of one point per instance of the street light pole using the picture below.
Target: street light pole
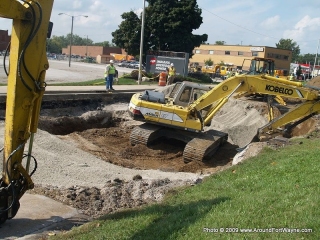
(72, 17)
(141, 43)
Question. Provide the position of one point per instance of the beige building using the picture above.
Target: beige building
(235, 54)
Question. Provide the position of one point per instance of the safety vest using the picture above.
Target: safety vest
(110, 70)
(172, 71)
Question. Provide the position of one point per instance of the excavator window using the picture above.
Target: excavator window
(185, 95)
(197, 93)
(175, 90)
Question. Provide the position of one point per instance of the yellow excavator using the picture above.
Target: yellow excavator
(25, 88)
(166, 117)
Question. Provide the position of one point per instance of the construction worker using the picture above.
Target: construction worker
(109, 74)
(291, 78)
(229, 73)
(264, 69)
(171, 74)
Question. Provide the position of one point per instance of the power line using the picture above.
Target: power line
(239, 25)
(247, 29)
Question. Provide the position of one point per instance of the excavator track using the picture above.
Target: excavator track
(144, 134)
(203, 146)
(198, 145)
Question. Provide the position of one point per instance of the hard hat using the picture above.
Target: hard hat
(111, 61)
(171, 64)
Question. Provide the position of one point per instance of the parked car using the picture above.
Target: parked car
(124, 63)
(134, 64)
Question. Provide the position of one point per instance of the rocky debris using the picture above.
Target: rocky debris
(253, 149)
(115, 195)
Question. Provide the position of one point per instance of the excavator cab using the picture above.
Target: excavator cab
(184, 93)
(260, 66)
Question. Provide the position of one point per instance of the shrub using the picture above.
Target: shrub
(135, 74)
(203, 78)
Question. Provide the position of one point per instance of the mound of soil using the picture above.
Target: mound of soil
(315, 82)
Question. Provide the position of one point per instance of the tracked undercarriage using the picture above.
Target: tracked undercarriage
(199, 146)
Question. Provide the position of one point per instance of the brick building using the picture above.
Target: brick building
(4, 39)
(91, 51)
(235, 54)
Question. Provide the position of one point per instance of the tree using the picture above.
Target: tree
(169, 27)
(208, 62)
(128, 34)
(290, 45)
(56, 43)
(306, 58)
(219, 43)
(104, 44)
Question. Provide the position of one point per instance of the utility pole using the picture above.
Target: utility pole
(72, 17)
(315, 60)
(141, 43)
(87, 47)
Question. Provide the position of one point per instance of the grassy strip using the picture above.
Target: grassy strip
(277, 189)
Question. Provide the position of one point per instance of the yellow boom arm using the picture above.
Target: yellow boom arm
(262, 84)
(28, 64)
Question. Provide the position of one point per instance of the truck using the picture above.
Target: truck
(165, 117)
(219, 70)
(194, 67)
(121, 57)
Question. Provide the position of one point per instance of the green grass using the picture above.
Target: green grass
(277, 189)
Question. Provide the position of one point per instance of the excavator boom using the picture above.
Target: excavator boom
(26, 85)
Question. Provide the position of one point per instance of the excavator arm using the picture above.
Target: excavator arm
(289, 120)
(190, 118)
(261, 84)
(25, 88)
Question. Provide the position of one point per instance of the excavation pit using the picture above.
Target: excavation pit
(104, 131)
(85, 158)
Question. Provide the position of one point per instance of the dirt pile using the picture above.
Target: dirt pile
(314, 82)
(115, 195)
(241, 120)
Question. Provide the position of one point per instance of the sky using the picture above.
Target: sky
(245, 22)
